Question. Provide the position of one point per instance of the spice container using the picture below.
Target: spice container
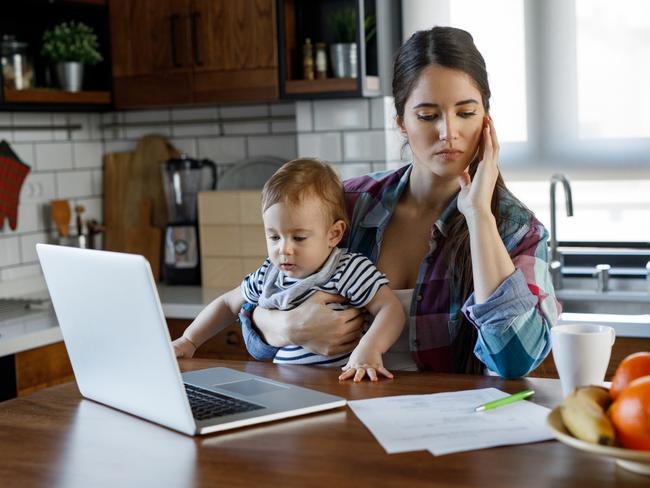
(321, 61)
(308, 60)
(17, 67)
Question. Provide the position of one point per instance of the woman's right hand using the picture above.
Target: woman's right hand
(315, 326)
(183, 348)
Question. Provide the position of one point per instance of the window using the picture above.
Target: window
(571, 94)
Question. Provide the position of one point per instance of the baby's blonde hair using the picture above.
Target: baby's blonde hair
(307, 177)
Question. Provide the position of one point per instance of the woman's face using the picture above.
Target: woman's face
(443, 120)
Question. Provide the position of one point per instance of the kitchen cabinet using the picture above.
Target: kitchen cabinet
(299, 20)
(28, 371)
(27, 21)
(227, 344)
(176, 52)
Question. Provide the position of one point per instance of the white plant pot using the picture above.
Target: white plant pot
(70, 76)
(344, 60)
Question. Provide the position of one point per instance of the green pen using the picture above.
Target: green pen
(515, 397)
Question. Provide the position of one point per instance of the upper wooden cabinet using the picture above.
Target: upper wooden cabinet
(168, 52)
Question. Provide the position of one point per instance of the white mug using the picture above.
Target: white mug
(581, 353)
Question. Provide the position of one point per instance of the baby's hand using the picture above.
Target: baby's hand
(183, 348)
(364, 360)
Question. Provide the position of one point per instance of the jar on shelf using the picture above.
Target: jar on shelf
(321, 61)
(308, 60)
(17, 67)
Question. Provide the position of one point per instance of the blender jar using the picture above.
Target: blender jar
(17, 67)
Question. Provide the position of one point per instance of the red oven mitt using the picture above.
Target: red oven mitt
(12, 175)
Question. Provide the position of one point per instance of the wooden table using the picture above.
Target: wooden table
(54, 438)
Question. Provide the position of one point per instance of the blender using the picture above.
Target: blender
(183, 178)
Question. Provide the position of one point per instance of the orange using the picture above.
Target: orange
(632, 367)
(630, 414)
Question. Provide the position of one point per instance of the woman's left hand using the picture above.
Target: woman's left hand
(475, 196)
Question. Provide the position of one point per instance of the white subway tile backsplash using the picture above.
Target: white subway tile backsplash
(6, 119)
(235, 111)
(25, 151)
(283, 108)
(382, 113)
(195, 130)
(194, 113)
(85, 133)
(16, 273)
(28, 246)
(119, 146)
(139, 132)
(30, 217)
(111, 133)
(185, 146)
(147, 116)
(323, 145)
(394, 143)
(350, 170)
(38, 188)
(60, 120)
(341, 114)
(9, 247)
(74, 184)
(39, 119)
(364, 145)
(283, 147)
(245, 128)
(87, 154)
(97, 182)
(283, 126)
(222, 149)
(51, 156)
(304, 116)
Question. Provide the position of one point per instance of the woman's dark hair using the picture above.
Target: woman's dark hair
(452, 48)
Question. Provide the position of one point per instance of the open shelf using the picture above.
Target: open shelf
(296, 87)
(302, 19)
(49, 95)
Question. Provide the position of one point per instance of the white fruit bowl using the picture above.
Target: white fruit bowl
(630, 459)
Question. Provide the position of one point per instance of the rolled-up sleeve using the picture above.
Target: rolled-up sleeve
(514, 323)
(255, 345)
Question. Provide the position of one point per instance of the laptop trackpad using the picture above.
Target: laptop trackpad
(249, 387)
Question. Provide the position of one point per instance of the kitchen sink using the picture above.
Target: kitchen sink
(625, 306)
(624, 297)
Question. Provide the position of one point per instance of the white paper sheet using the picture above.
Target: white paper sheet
(443, 423)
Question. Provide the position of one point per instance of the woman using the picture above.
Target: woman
(468, 259)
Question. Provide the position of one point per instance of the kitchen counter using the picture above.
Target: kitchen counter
(39, 327)
(36, 328)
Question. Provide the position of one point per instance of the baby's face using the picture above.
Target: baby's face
(299, 238)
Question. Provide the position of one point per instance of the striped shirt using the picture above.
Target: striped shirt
(512, 325)
(354, 277)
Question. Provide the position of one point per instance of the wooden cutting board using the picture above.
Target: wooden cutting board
(130, 177)
(116, 177)
(145, 239)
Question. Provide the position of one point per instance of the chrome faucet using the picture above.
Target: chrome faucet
(556, 258)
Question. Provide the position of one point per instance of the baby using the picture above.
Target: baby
(304, 214)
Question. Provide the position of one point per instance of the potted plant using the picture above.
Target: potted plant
(343, 51)
(70, 45)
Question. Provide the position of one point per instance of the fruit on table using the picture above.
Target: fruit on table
(583, 414)
(630, 414)
(632, 367)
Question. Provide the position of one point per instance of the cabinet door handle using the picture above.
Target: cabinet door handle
(195, 38)
(232, 339)
(173, 22)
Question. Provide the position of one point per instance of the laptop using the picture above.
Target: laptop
(113, 326)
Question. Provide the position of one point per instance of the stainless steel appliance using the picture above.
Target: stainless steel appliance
(182, 179)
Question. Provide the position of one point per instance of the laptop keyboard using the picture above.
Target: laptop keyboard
(207, 404)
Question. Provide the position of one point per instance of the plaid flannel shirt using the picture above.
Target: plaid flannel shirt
(513, 324)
